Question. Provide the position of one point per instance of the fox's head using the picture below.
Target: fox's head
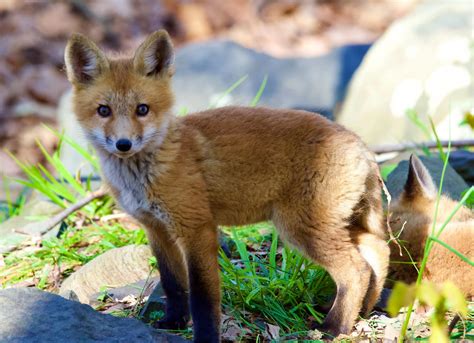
(122, 104)
(419, 196)
(412, 218)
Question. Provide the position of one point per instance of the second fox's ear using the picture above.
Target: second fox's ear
(155, 55)
(419, 182)
(84, 60)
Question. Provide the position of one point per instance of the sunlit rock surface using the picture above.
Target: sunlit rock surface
(423, 62)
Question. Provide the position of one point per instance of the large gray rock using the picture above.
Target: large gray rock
(453, 184)
(423, 62)
(114, 268)
(30, 315)
(205, 70)
(463, 162)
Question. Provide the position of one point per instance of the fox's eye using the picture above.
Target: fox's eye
(104, 111)
(142, 110)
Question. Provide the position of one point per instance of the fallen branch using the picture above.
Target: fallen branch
(382, 149)
(43, 227)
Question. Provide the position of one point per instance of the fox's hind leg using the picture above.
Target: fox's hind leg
(369, 234)
(351, 273)
(376, 252)
(332, 247)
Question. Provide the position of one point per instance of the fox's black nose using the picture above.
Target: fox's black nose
(123, 144)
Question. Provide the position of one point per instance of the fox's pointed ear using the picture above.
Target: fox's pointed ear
(419, 182)
(84, 60)
(155, 55)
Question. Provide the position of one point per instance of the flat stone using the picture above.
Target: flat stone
(114, 268)
(31, 315)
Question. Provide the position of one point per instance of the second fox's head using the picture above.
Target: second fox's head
(122, 104)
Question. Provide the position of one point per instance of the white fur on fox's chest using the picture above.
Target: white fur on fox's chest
(131, 188)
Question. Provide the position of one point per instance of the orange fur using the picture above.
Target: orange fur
(415, 210)
(183, 177)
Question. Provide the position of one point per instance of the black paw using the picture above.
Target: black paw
(328, 330)
(171, 324)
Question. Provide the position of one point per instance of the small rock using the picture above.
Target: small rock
(31, 315)
(156, 302)
(114, 268)
(142, 288)
(453, 184)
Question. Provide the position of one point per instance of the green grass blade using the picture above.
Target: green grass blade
(57, 187)
(228, 91)
(438, 141)
(92, 159)
(415, 119)
(257, 97)
(61, 169)
(242, 249)
(387, 169)
(273, 252)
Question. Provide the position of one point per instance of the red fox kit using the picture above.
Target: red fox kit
(182, 177)
(415, 209)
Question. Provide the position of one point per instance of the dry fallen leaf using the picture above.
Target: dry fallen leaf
(231, 330)
(315, 334)
(390, 334)
(272, 331)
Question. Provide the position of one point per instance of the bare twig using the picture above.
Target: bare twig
(45, 226)
(453, 323)
(114, 216)
(389, 228)
(382, 149)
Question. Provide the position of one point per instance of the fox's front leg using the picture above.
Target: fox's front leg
(173, 278)
(200, 249)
